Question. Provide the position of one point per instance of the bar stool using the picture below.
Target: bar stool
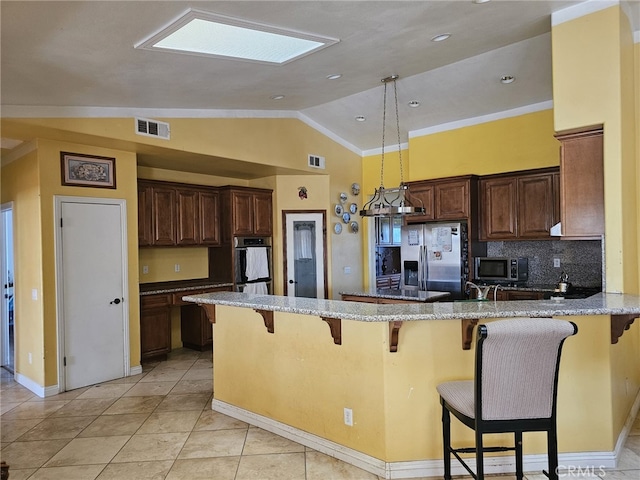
(514, 389)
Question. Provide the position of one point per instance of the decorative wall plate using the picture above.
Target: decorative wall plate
(353, 208)
(343, 197)
(355, 189)
(354, 227)
(338, 209)
(346, 217)
(337, 228)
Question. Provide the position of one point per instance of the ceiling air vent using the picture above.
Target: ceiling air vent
(316, 161)
(152, 128)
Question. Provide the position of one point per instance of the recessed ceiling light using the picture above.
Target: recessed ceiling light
(507, 79)
(203, 33)
(441, 37)
(414, 104)
(480, 1)
(276, 97)
(360, 118)
(334, 76)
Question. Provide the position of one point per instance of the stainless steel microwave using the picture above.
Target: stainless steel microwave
(501, 269)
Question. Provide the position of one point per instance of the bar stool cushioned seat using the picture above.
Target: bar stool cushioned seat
(514, 389)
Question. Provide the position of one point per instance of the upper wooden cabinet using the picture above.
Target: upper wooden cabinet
(444, 199)
(582, 183)
(246, 212)
(172, 214)
(521, 205)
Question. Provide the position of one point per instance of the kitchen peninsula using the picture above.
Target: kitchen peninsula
(278, 366)
(394, 295)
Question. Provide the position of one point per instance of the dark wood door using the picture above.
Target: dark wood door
(535, 206)
(164, 215)
(155, 326)
(452, 200)
(145, 227)
(209, 218)
(422, 194)
(498, 216)
(263, 216)
(242, 206)
(188, 217)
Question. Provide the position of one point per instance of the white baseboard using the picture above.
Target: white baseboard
(423, 468)
(137, 370)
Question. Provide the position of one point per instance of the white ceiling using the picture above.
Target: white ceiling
(78, 58)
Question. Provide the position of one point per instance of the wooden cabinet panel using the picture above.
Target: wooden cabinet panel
(188, 217)
(498, 212)
(196, 329)
(452, 200)
(262, 221)
(242, 213)
(508, 295)
(155, 326)
(145, 222)
(164, 215)
(422, 192)
(582, 183)
(209, 218)
(536, 203)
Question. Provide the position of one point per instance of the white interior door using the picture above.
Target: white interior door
(305, 253)
(7, 325)
(93, 320)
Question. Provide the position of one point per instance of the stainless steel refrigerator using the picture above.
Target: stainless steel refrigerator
(435, 257)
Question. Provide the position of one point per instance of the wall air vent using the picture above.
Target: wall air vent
(316, 161)
(152, 128)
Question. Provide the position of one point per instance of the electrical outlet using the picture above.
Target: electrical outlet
(34, 294)
(145, 269)
(30, 358)
(177, 267)
(556, 262)
(348, 417)
(347, 270)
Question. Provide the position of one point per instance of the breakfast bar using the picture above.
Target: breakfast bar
(343, 390)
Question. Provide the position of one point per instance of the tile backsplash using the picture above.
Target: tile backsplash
(580, 259)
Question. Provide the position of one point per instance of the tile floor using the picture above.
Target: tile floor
(159, 425)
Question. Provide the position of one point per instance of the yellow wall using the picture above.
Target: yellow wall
(396, 409)
(593, 83)
(20, 185)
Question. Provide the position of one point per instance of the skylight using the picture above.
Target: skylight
(203, 33)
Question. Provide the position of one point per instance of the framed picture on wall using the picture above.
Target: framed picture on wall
(88, 170)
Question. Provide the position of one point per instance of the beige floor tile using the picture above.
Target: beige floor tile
(150, 447)
(134, 405)
(212, 420)
(204, 387)
(146, 389)
(625, 475)
(221, 468)
(28, 410)
(57, 427)
(166, 375)
(21, 473)
(129, 380)
(629, 459)
(110, 390)
(70, 395)
(88, 407)
(204, 362)
(88, 451)
(183, 364)
(136, 471)
(285, 466)
(193, 401)
(31, 454)
(84, 472)
(170, 422)
(260, 442)
(323, 467)
(11, 430)
(6, 406)
(215, 443)
(16, 394)
(109, 425)
(199, 374)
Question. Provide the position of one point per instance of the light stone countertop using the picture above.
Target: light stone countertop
(400, 294)
(599, 304)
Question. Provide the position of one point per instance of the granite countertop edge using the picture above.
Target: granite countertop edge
(173, 287)
(426, 296)
(599, 304)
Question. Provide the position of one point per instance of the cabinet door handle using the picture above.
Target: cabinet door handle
(116, 301)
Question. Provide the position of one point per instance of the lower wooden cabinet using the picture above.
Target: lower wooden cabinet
(195, 328)
(155, 326)
(506, 295)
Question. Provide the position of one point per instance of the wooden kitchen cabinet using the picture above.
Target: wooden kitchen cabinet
(246, 212)
(196, 331)
(520, 205)
(582, 183)
(445, 199)
(171, 214)
(422, 192)
(508, 295)
(155, 326)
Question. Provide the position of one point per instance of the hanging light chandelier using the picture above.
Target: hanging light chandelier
(395, 201)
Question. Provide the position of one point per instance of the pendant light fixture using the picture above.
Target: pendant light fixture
(395, 201)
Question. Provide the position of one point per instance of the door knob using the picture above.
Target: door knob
(291, 281)
(116, 301)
